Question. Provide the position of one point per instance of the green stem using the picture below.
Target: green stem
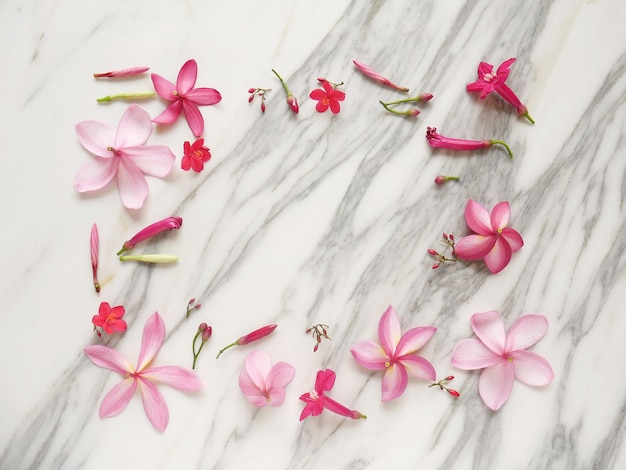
(139, 95)
(393, 111)
(224, 349)
(282, 82)
(527, 116)
(196, 354)
(416, 99)
(505, 145)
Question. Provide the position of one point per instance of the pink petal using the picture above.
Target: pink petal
(389, 331)
(335, 108)
(250, 390)
(154, 404)
(276, 396)
(280, 375)
(500, 216)
(526, 332)
(322, 106)
(154, 160)
(134, 128)
(187, 77)
(418, 366)
(131, 184)
(174, 376)
(164, 88)
(486, 91)
(476, 86)
(489, 328)
(496, 383)
(204, 96)
(370, 355)
(504, 67)
(473, 247)
(258, 365)
(306, 411)
(324, 381)
(95, 175)
(170, 114)
(317, 94)
(484, 68)
(96, 137)
(194, 118)
(477, 218)
(151, 341)
(532, 369)
(472, 354)
(499, 256)
(395, 381)
(513, 238)
(336, 407)
(414, 339)
(118, 398)
(108, 358)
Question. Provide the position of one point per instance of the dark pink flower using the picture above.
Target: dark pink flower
(327, 97)
(316, 400)
(437, 140)
(371, 73)
(184, 97)
(110, 319)
(250, 337)
(196, 155)
(169, 223)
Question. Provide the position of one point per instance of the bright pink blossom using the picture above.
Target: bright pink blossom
(438, 141)
(184, 97)
(504, 357)
(196, 155)
(263, 383)
(328, 97)
(129, 72)
(143, 375)
(316, 400)
(169, 223)
(250, 337)
(371, 73)
(109, 319)
(492, 239)
(396, 354)
(122, 155)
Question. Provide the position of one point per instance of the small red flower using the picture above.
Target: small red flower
(328, 97)
(109, 319)
(196, 155)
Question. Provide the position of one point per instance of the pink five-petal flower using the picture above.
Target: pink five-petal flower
(143, 375)
(316, 400)
(492, 239)
(184, 97)
(504, 357)
(328, 97)
(110, 318)
(122, 155)
(396, 354)
(263, 383)
(196, 155)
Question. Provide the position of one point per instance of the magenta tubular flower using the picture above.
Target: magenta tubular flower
(436, 140)
(492, 239)
(371, 73)
(396, 354)
(122, 155)
(196, 155)
(316, 400)
(263, 383)
(327, 97)
(504, 357)
(128, 72)
(143, 375)
(110, 318)
(94, 244)
(169, 223)
(250, 337)
(184, 97)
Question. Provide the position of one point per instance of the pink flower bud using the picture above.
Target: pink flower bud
(450, 377)
(151, 230)
(129, 72)
(262, 106)
(436, 265)
(256, 335)
(454, 393)
(192, 300)
(425, 97)
(441, 179)
(94, 245)
(251, 90)
(293, 103)
(206, 333)
(203, 326)
(250, 98)
(432, 252)
(413, 112)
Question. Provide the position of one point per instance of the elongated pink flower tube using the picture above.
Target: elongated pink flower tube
(371, 73)
(94, 245)
(169, 223)
(128, 72)
(437, 140)
(250, 337)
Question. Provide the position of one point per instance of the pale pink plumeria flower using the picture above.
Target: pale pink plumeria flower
(184, 97)
(371, 73)
(128, 72)
(493, 240)
(122, 154)
(396, 354)
(316, 400)
(143, 375)
(263, 383)
(169, 223)
(504, 357)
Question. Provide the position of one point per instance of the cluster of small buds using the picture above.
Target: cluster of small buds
(261, 92)
(204, 333)
(442, 385)
(424, 97)
(191, 307)
(449, 241)
(318, 332)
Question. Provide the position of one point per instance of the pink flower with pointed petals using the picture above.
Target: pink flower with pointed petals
(316, 400)
(109, 318)
(396, 354)
(493, 240)
(263, 383)
(504, 357)
(122, 155)
(328, 97)
(184, 97)
(143, 375)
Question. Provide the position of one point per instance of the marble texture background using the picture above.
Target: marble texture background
(316, 218)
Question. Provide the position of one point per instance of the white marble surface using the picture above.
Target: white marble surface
(316, 218)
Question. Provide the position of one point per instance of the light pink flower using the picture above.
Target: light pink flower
(169, 223)
(122, 155)
(143, 375)
(504, 357)
(316, 400)
(263, 383)
(396, 354)
(128, 72)
(493, 240)
(184, 97)
(371, 73)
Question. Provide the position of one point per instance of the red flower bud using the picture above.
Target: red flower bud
(436, 265)
(256, 335)
(450, 377)
(293, 103)
(262, 106)
(454, 393)
(251, 90)
(250, 98)
(432, 252)
(206, 333)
